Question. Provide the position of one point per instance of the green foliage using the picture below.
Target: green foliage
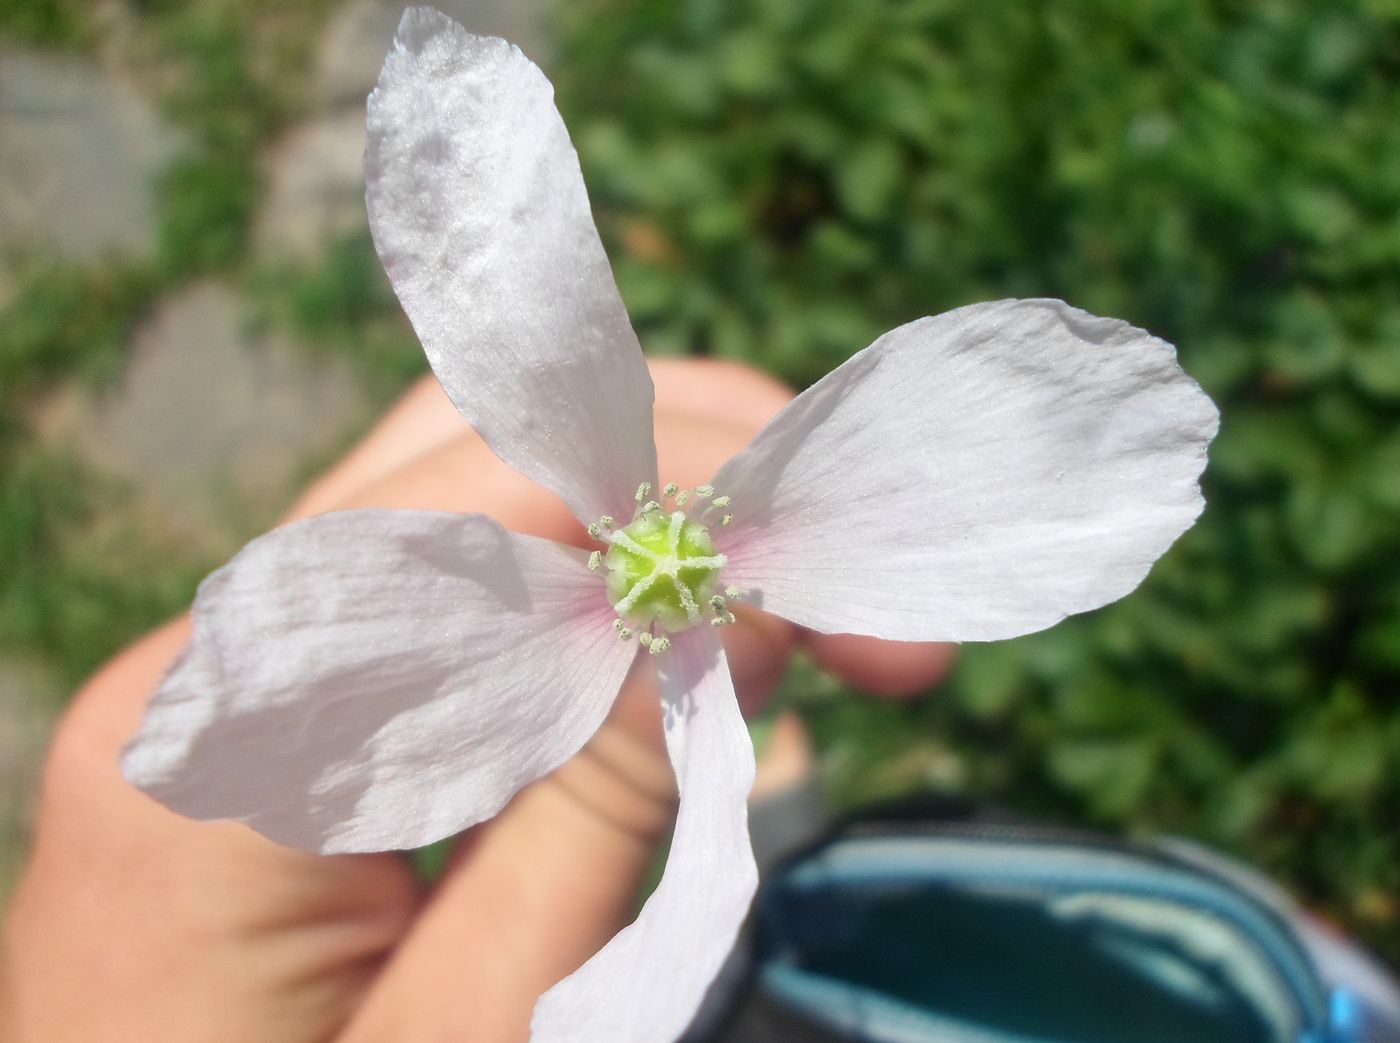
(82, 571)
(782, 180)
(48, 23)
(343, 303)
(68, 321)
(81, 578)
(208, 195)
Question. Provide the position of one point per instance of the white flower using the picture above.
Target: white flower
(380, 679)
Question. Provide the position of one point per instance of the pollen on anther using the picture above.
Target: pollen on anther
(645, 638)
(659, 644)
(671, 489)
(606, 521)
(595, 530)
(720, 501)
(717, 602)
(650, 507)
(595, 561)
(733, 592)
(726, 519)
(704, 492)
(643, 491)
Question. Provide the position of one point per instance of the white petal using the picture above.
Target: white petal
(646, 984)
(480, 215)
(379, 679)
(970, 477)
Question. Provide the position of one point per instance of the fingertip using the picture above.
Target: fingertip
(758, 648)
(717, 389)
(891, 669)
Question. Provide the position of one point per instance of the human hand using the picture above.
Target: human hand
(133, 923)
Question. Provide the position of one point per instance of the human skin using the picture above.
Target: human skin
(132, 923)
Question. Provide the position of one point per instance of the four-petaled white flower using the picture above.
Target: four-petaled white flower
(378, 679)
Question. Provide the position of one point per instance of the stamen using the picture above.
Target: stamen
(662, 568)
(623, 630)
(595, 530)
(606, 521)
(659, 644)
(687, 598)
(726, 519)
(595, 561)
(720, 501)
(733, 593)
(645, 638)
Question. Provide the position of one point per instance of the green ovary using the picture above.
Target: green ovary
(667, 576)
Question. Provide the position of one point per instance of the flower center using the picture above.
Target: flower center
(663, 569)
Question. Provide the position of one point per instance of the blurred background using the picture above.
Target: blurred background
(192, 321)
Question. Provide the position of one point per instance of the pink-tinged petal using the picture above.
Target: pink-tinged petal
(379, 679)
(970, 477)
(647, 983)
(480, 215)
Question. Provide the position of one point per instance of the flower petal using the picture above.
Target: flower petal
(480, 215)
(379, 679)
(647, 983)
(970, 477)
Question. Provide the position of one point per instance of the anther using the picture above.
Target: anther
(645, 638)
(595, 561)
(717, 602)
(643, 491)
(606, 521)
(733, 593)
(659, 644)
(704, 492)
(726, 519)
(720, 501)
(595, 530)
(671, 489)
(624, 633)
(650, 507)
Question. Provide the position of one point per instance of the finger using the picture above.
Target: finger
(421, 421)
(894, 669)
(719, 390)
(424, 419)
(132, 923)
